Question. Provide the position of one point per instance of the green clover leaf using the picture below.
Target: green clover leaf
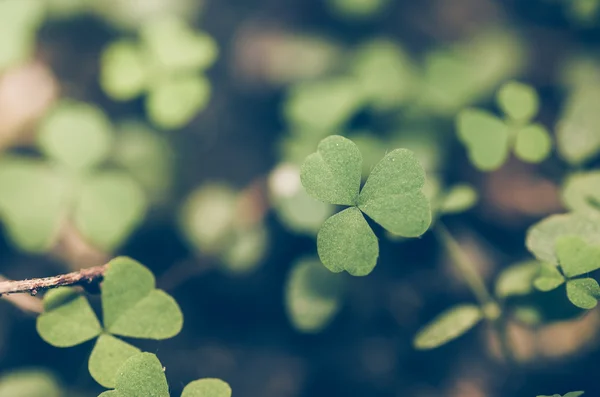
(312, 296)
(570, 394)
(489, 139)
(132, 307)
(517, 279)
(581, 192)
(548, 278)
(576, 257)
(458, 198)
(583, 292)
(29, 383)
(447, 326)
(392, 197)
(123, 73)
(142, 375)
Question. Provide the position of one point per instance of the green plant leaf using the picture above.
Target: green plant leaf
(173, 103)
(548, 278)
(333, 173)
(542, 237)
(123, 70)
(324, 105)
(583, 292)
(68, 319)
(133, 307)
(107, 357)
(77, 135)
(576, 257)
(570, 394)
(486, 138)
(29, 383)
(357, 9)
(459, 198)
(141, 375)
(208, 387)
(346, 242)
(581, 192)
(32, 224)
(517, 279)
(109, 207)
(533, 143)
(447, 326)
(518, 101)
(312, 296)
(393, 197)
(175, 46)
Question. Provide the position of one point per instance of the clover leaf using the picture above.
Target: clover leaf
(131, 306)
(548, 278)
(583, 292)
(570, 394)
(312, 296)
(517, 279)
(576, 257)
(29, 383)
(581, 192)
(142, 375)
(392, 197)
(166, 64)
(457, 199)
(447, 326)
(489, 139)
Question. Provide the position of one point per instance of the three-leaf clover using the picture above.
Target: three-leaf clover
(489, 139)
(142, 375)
(131, 307)
(104, 205)
(167, 64)
(575, 258)
(392, 197)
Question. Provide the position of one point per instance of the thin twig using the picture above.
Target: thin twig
(27, 303)
(33, 286)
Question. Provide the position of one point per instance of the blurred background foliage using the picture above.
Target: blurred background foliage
(173, 131)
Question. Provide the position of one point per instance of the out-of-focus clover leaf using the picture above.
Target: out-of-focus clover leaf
(489, 139)
(31, 223)
(167, 64)
(392, 197)
(569, 394)
(578, 128)
(448, 326)
(518, 101)
(144, 375)
(19, 22)
(75, 134)
(581, 192)
(312, 296)
(583, 292)
(576, 257)
(543, 236)
(458, 198)
(385, 72)
(131, 306)
(323, 105)
(29, 383)
(357, 9)
(110, 205)
(517, 279)
(246, 249)
(548, 278)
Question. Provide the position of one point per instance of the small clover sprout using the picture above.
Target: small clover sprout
(392, 197)
(489, 139)
(131, 306)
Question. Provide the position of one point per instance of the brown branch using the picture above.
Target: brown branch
(33, 286)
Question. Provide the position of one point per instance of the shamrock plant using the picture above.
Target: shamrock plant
(489, 139)
(104, 204)
(166, 64)
(392, 196)
(142, 375)
(132, 307)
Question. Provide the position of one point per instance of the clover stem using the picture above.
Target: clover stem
(489, 306)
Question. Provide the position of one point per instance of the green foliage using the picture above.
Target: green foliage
(447, 326)
(20, 21)
(581, 192)
(211, 222)
(142, 375)
(131, 307)
(105, 206)
(166, 64)
(458, 198)
(517, 279)
(313, 295)
(357, 9)
(392, 197)
(570, 394)
(489, 139)
(29, 383)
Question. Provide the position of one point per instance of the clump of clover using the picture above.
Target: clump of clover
(166, 64)
(132, 307)
(143, 375)
(392, 196)
(489, 139)
(105, 204)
